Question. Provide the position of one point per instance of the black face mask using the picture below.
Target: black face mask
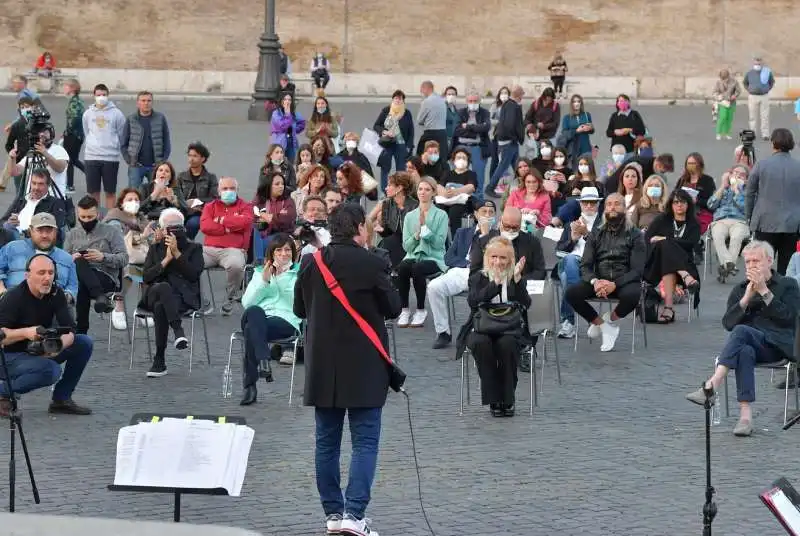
(89, 226)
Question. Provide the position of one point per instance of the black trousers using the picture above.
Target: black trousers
(259, 330)
(167, 308)
(321, 78)
(72, 144)
(439, 136)
(784, 245)
(455, 213)
(558, 83)
(418, 272)
(91, 285)
(497, 359)
(577, 296)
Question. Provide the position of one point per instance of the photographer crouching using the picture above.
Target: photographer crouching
(35, 348)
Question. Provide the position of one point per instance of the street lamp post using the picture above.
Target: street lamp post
(269, 67)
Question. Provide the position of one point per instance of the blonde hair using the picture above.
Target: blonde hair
(498, 242)
(644, 202)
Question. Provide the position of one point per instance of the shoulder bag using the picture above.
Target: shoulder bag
(497, 319)
(396, 376)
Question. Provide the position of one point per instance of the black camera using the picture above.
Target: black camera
(37, 120)
(306, 230)
(747, 137)
(50, 342)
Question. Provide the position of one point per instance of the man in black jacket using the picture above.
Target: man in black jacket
(761, 316)
(510, 134)
(611, 267)
(472, 132)
(18, 216)
(345, 373)
(525, 245)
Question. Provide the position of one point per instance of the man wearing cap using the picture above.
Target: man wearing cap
(570, 249)
(758, 82)
(14, 256)
(456, 279)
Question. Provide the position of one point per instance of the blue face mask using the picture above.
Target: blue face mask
(654, 191)
(434, 158)
(228, 197)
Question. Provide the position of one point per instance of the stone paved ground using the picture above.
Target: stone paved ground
(615, 450)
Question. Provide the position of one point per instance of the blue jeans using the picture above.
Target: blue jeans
(365, 434)
(569, 272)
(260, 329)
(260, 245)
(192, 225)
(479, 167)
(137, 174)
(508, 155)
(399, 153)
(745, 347)
(30, 372)
(13, 230)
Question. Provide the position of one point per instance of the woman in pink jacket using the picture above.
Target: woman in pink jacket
(532, 199)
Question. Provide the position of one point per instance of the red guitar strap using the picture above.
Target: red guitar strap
(338, 293)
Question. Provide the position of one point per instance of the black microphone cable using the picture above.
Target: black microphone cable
(416, 462)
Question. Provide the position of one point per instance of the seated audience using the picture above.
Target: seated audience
(432, 164)
(694, 179)
(612, 165)
(761, 316)
(172, 274)
(497, 356)
(275, 162)
(304, 161)
(348, 181)
(389, 214)
(17, 218)
(630, 187)
(314, 182)
(323, 122)
(611, 267)
(36, 303)
(315, 217)
(276, 213)
(424, 241)
(333, 198)
(227, 223)
(456, 187)
(268, 314)
(571, 246)
(671, 240)
(322, 152)
(729, 229)
(14, 256)
(350, 153)
(456, 279)
(197, 186)
(532, 200)
(98, 251)
(161, 192)
(650, 204)
(585, 176)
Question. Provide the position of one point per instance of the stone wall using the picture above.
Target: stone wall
(467, 37)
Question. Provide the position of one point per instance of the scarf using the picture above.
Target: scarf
(397, 110)
(765, 74)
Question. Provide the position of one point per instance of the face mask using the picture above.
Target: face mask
(654, 192)
(615, 219)
(89, 226)
(757, 67)
(503, 97)
(472, 107)
(321, 109)
(460, 163)
(433, 158)
(623, 106)
(559, 160)
(646, 152)
(509, 236)
(583, 169)
(691, 167)
(131, 207)
(101, 100)
(488, 221)
(228, 197)
(276, 162)
(617, 158)
(450, 99)
(26, 113)
(351, 145)
(546, 152)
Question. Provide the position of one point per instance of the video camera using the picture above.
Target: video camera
(306, 230)
(50, 342)
(37, 120)
(747, 137)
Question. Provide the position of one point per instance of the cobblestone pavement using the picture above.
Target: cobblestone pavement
(615, 450)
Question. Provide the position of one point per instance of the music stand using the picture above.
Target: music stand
(177, 492)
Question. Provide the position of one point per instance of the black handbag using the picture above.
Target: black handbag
(498, 319)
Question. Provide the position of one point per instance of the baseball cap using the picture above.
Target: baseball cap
(43, 219)
(477, 205)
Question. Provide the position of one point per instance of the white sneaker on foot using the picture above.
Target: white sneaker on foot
(567, 330)
(404, 318)
(594, 331)
(610, 333)
(333, 524)
(287, 358)
(119, 320)
(418, 318)
(719, 137)
(357, 527)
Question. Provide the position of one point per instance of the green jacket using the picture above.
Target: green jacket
(432, 246)
(75, 110)
(276, 297)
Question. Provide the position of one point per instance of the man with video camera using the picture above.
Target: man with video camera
(42, 134)
(38, 335)
(311, 230)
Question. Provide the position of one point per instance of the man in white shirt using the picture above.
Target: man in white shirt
(18, 217)
(55, 156)
(570, 249)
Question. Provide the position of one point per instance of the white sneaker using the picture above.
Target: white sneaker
(567, 330)
(287, 358)
(610, 333)
(404, 318)
(418, 319)
(719, 137)
(357, 527)
(728, 138)
(594, 331)
(333, 524)
(119, 320)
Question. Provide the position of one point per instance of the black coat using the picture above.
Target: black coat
(343, 368)
(49, 203)
(480, 129)
(633, 121)
(183, 274)
(358, 158)
(525, 245)
(406, 127)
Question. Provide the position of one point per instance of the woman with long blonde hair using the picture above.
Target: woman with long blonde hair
(651, 204)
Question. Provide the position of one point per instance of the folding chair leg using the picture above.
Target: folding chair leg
(796, 376)
(554, 337)
(205, 338)
(786, 395)
(727, 402)
(147, 333)
(210, 290)
(534, 395)
(291, 381)
(633, 335)
(227, 376)
(466, 369)
(109, 332)
(133, 341)
(191, 345)
(461, 388)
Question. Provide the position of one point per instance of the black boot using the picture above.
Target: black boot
(250, 395)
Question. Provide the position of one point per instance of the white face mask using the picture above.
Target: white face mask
(509, 236)
(583, 169)
(546, 152)
(101, 100)
(559, 160)
(131, 207)
(351, 144)
(503, 97)
(472, 107)
(618, 158)
(757, 67)
(460, 163)
(450, 99)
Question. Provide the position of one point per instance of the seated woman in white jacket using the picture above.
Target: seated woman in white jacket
(268, 302)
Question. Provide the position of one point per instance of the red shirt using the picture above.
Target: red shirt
(236, 226)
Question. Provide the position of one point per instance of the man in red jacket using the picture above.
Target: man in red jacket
(227, 223)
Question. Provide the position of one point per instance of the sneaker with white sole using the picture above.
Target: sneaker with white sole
(610, 332)
(287, 358)
(567, 330)
(181, 343)
(333, 524)
(594, 331)
(404, 318)
(357, 527)
(119, 320)
(418, 318)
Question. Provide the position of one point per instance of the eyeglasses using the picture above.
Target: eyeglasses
(680, 202)
(510, 228)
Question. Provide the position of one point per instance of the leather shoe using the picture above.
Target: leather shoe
(68, 407)
(250, 396)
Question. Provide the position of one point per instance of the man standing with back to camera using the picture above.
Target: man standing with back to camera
(344, 371)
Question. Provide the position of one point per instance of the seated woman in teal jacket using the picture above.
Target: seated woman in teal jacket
(424, 240)
(268, 302)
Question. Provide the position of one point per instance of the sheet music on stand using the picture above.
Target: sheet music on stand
(183, 453)
(784, 502)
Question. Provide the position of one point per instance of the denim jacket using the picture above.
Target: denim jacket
(14, 256)
(729, 205)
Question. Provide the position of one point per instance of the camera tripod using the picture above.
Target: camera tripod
(33, 161)
(14, 426)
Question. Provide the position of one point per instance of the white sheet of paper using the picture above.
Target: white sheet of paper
(535, 287)
(553, 233)
(579, 247)
(196, 203)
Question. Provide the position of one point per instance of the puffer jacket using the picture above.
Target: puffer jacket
(616, 255)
